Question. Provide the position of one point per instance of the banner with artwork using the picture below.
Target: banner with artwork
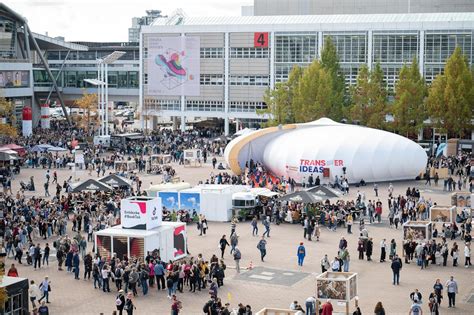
(169, 200)
(141, 213)
(173, 66)
(190, 202)
(14, 79)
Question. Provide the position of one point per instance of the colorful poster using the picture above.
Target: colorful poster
(173, 66)
(169, 200)
(179, 241)
(190, 202)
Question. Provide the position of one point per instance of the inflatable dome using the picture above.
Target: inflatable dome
(327, 149)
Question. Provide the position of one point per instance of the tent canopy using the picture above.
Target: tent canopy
(324, 192)
(91, 185)
(114, 180)
(15, 147)
(301, 196)
(4, 156)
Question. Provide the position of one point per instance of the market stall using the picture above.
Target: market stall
(417, 231)
(116, 181)
(340, 287)
(442, 214)
(90, 185)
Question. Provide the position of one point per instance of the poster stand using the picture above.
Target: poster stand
(339, 287)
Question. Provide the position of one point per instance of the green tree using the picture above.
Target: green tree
(281, 105)
(450, 99)
(410, 91)
(315, 95)
(330, 62)
(369, 98)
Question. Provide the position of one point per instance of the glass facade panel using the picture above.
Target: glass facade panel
(7, 38)
(205, 106)
(395, 48)
(247, 107)
(249, 52)
(438, 47)
(350, 47)
(432, 71)
(212, 79)
(212, 52)
(250, 80)
(391, 75)
(296, 48)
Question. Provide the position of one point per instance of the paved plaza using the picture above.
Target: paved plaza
(279, 280)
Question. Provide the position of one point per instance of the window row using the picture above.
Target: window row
(212, 79)
(205, 106)
(75, 79)
(212, 52)
(247, 107)
(90, 54)
(438, 47)
(350, 48)
(295, 48)
(249, 52)
(395, 48)
(162, 104)
(250, 80)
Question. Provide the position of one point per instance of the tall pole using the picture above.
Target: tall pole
(99, 96)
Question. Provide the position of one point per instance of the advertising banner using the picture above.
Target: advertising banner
(190, 202)
(141, 213)
(169, 200)
(14, 79)
(173, 66)
(179, 241)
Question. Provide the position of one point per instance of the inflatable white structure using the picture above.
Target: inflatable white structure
(327, 149)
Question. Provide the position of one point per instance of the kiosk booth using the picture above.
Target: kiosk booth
(442, 214)
(192, 157)
(417, 231)
(125, 166)
(337, 286)
(17, 301)
(157, 161)
(142, 230)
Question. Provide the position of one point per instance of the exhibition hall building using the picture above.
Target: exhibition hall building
(234, 60)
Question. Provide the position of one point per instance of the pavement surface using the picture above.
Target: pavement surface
(279, 280)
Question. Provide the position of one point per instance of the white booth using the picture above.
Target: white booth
(337, 286)
(216, 201)
(125, 166)
(153, 190)
(141, 213)
(417, 231)
(169, 239)
(443, 214)
(192, 157)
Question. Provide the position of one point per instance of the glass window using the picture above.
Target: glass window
(133, 77)
(350, 47)
(296, 48)
(212, 79)
(395, 48)
(122, 79)
(438, 47)
(249, 52)
(250, 80)
(212, 52)
(87, 55)
(71, 78)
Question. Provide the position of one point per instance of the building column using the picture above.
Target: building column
(140, 83)
(421, 56)
(272, 60)
(320, 44)
(183, 98)
(369, 49)
(226, 83)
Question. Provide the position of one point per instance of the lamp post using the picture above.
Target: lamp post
(102, 83)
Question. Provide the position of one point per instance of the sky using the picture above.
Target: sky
(108, 20)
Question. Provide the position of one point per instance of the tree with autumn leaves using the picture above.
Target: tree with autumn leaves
(88, 103)
(7, 118)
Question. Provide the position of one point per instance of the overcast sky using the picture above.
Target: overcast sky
(108, 20)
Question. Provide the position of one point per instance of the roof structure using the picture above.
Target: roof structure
(324, 19)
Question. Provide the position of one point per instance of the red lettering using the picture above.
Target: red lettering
(301, 162)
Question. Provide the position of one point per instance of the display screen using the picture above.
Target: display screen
(14, 79)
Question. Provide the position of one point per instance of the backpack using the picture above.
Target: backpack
(237, 255)
(118, 301)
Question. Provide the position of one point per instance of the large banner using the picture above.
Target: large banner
(173, 66)
(141, 213)
(169, 200)
(14, 79)
(190, 201)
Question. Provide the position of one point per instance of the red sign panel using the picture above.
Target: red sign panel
(260, 40)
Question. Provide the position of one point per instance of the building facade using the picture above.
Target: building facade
(325, 7)
(241, 57)
(138, 22)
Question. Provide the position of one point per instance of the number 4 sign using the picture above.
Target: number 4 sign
(260, 40)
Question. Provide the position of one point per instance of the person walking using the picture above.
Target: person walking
(129, 306)
(254, 224)
(310, 305)
(266, 224)
(301, 253)
(379, 310)
(349, 222)
(396, 267)
(452, 289)
(120, 302)
(223, 243)
(369, 248)
(234, 241)
(383, 250)
(233, 226)
(160, 275)
(438, 290)
(376, 189)
(262, 247)
(415, 309)
(467, 255)
(75, 265)
(46, 255)
(325, 264)
(34, 293)
(237, 257)
(45, 287)
(327, 308)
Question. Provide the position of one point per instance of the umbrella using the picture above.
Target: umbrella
(41, 148)
(91, 184)
(12, 146)
(56, 149)
(301, 196)
(324, 192)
